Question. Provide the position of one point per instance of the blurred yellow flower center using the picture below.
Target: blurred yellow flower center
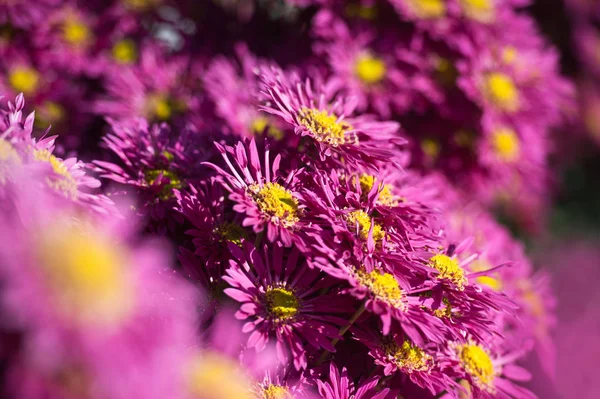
(408, 357)
(152, 177)
(231, 232)
(509, 54)
(324, 127)
(385, 196)
(445, 71)
(464, 138)
(275, 392)
(141, 5)
(159, 107)
(86, 271)
(261, 123)
(370, 69)
(277, 203)
(383, 285)
(125, 51)
(448, 269)
(428, 8)
(476, 361)
(281, 303)
(478, 10)
(431, 148)
(357, 10)
(24, 80)
(481, 265)
(506, 144)
(361, 220)
(75, 32)
(501, 90)
(49, 113)
(8, 157)
(63, 181)
(213, 376)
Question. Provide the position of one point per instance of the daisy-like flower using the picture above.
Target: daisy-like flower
(155, 89)
(269, 201)
(234, 87)
(397, 354)
(280, 297)
(488, 372)
(327, 123)
(154, 160)
(340, 386)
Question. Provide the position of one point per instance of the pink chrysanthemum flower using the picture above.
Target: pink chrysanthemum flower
(340, 386)
(156, 160)
(397, 354)
(270, 201)
(488, 371)
(327, 123)
(280, 297)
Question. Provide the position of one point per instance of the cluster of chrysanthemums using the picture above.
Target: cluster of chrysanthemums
(281, 199)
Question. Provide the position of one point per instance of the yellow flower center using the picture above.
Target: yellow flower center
(24, 80)
(478, 10)
(86, 270)
(501, 90)
(261, 123)
(384, 286)
(506, 144)
(369, 69)
(49, 113)
(324, 127)
(448, 269)
(277, 203)
(481, 265)
(174, 183)
(275, 392)
(141, 5)
(75, 32)
(385, 196)
(158, 107)
(431, 148)
(125, 52)
(445, 71)
(477, 362)
(408, 357)
(63, 181)
(231, 232)
(428, 9)
(281, 303)
(213, 376)
(357, 10)
(362, 221)
(8, 157)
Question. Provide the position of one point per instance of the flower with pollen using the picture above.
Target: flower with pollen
(231, 232)
(500, 90)
(325, 127)
(63, 181)
(506, 144)
(152, 176)
(370, 69)
(448, 269)
(273, 391)
(276, 202)
(385, 198)
(361, 221)
(408, 357)
(383, 286)
(281, 303)
(477, 362)
(125, 52)
(214, 376)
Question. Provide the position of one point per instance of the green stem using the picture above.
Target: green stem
(343, 331)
